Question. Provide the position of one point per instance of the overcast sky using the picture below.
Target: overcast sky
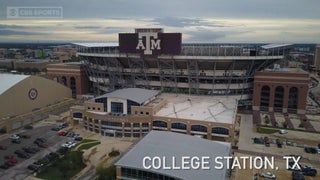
(227, 21)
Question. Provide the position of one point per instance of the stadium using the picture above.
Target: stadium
(152, 59)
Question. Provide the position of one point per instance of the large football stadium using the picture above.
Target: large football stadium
(152, 59)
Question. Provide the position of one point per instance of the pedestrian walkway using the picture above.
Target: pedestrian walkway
(256, 117)
(288, 122)
(306, 123)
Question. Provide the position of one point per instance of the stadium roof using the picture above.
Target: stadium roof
(205, 108)
(110, 44)
(137, 95)
(170, 144)
(9, 80)
(272, 46)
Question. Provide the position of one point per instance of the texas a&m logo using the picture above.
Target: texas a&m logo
(151, 42)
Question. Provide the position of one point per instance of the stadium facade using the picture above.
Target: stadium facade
(152, 59)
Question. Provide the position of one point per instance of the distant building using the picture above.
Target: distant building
(70, 74)
(39, 65)
(281, 90)
(171, 148)
(133, 112)
(64, 53)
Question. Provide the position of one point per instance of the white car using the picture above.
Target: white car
(69, 144)
(282, 131)
(268, 175)
(14, 137)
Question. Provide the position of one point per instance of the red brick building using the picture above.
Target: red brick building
(72, 75)
(281, 90)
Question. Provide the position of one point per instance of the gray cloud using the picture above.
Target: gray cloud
(4, 26)
(177, 8)
(87, 27)
(14, 32)
(184, 22)
(209, 36)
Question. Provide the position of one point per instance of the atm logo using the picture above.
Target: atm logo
(151, 43)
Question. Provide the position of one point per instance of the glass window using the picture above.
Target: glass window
(116, 107)
(220, 130)
(179, 126)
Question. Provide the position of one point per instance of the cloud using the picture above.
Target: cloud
(185, 22)
(14, 33)
(5, 26)
(87, 27)
(204, 35)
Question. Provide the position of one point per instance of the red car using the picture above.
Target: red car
(62, 133)
(3, 147)
(12, 160)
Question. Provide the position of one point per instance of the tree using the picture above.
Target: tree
(284, 124)
(106, 173)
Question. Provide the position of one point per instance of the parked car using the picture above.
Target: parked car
(31, 150)
(297, 176)
(288, 142)
(17, 141)
(308, 168)
(282, 131)
(78, 138)
(279, 144)
(24, 136)
(3, 147)
(258, 140)
(62, 133)
(42, 145)
(4, 166)
(69, 144)
(267, 141)
(65, 124)
(294, 167)
(12, 160)
(14, 136)
(22, 154)
(39, 141)
(310, 172)
(33, 167)
(70, 134)
(9, 163)
(268, 175)
(56, 128)
(310, 150)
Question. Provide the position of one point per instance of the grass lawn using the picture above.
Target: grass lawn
(88, 140)
(266, 130)
(63, 168)
(87, 146)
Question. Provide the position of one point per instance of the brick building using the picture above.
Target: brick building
(71, 75)
(281, 90)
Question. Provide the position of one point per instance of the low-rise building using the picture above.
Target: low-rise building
(161, 155)
(133, 112)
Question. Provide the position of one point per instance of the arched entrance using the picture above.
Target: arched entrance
(264, 98)
(293, 100)
(278, 99)
(73, 87)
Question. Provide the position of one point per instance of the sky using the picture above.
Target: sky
(206, 21)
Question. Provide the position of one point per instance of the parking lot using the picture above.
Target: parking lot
(20, 171)
(296, 147)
